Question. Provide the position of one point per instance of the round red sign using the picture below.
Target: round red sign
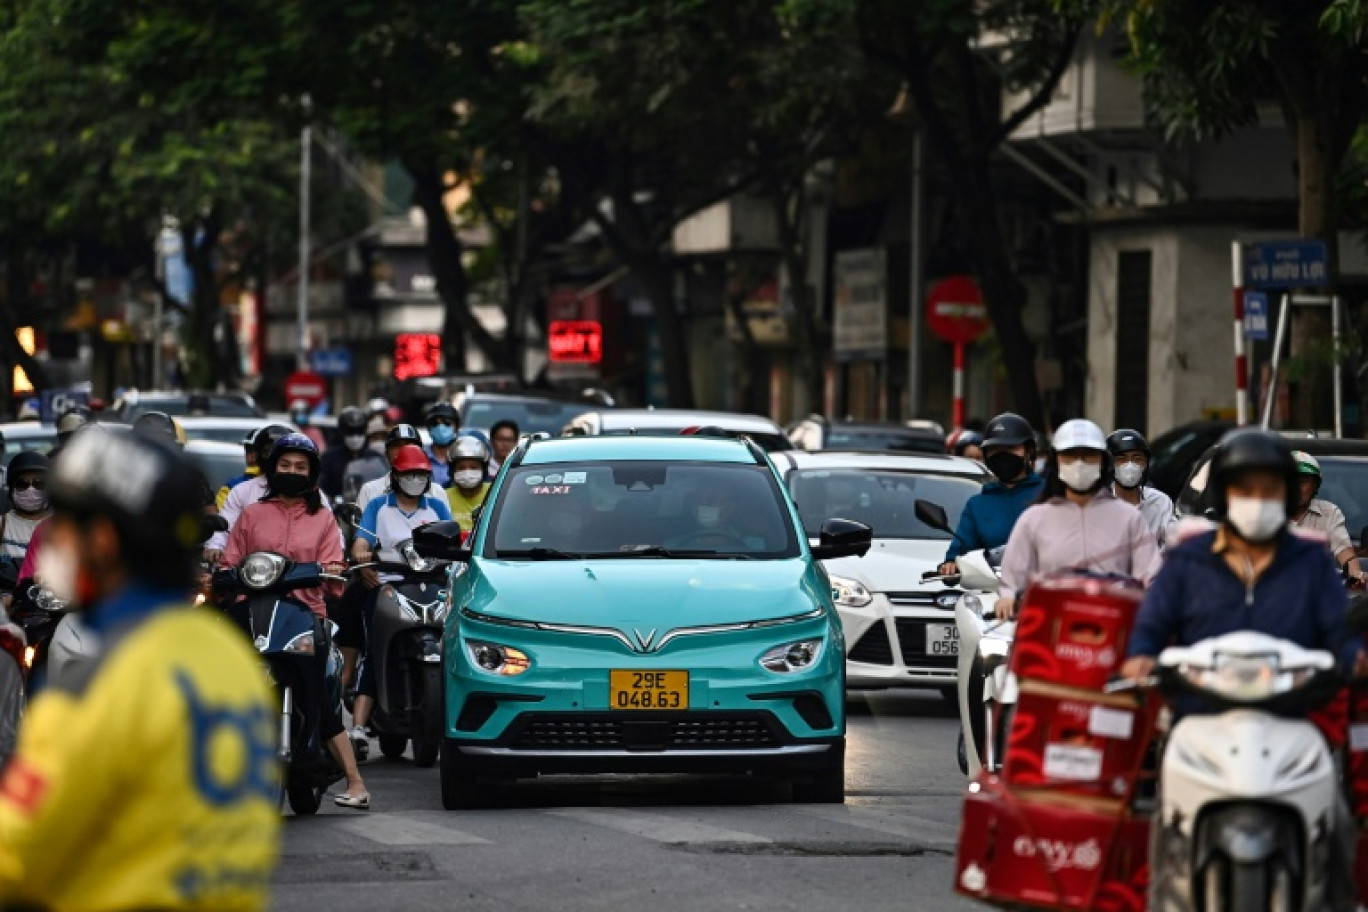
(955, 311)
(306, 385)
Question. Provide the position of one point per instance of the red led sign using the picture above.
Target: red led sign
(417, 355)
(575, 341)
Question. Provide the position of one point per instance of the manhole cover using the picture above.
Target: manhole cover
(370, 867)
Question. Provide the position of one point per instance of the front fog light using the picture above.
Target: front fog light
(499, 660)
(849, 593)
(792, 656)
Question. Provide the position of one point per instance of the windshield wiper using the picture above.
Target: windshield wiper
(538, 554)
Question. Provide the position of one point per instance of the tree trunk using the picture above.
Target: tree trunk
(444, 251)
(794, 253)
(198, 240)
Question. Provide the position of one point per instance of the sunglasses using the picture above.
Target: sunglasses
(38, 483)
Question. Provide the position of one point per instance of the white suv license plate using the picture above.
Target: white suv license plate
(942, 640)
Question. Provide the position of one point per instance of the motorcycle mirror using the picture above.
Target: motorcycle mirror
(210, 525)
(933, 515)
(349, 513)
(1357, 616)
(441, 541)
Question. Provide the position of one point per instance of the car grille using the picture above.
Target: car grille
(912, 645)
(874, 647)
(645, 731)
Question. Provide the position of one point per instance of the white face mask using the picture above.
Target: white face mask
(56, 569)
(414, 485)
(708, 516)
(354, 442)
(31, 500)
(1129, 475)
(467, 478)
(1255, 519)
(1080, 476)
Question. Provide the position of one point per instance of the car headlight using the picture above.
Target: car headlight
(261, 569)
(496, 659)
(792, 656)
(849, 593)
(302, 644)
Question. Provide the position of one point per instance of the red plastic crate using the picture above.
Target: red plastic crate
(1056, 852)
(1073, 630)
(1358, 755)
(1361, 867)
(1078, 742)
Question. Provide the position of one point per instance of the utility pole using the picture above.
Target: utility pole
(305, 171)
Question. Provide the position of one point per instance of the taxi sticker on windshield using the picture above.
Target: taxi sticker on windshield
(575, 477)
(533, 480)
(551, 489)
(554, 479)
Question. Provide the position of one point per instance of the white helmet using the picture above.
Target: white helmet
(468, 446)
(1079, 434)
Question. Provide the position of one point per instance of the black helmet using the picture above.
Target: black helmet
(1124, 440)
(442, 410)
(27, 461)
(157, 426)
(293, 443)
(144, 486)
(962, 440)
(1245, 449)
(403, 433)
(1008, 429)
(265, 441)
(351, 420)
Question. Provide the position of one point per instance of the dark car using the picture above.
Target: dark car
(818, 433)
(1174, 453)
(534, 413)
(1344, 468)
(184, 404)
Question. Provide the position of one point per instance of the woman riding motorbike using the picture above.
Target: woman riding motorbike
(291, 521)
(1079, 522)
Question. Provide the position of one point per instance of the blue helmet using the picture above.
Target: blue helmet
(294, 443)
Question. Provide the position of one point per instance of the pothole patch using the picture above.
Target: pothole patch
(367, 867)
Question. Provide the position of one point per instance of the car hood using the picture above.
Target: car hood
(645, 591)
(892, 564)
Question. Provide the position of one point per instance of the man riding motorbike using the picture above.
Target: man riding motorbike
(353, 462)
(1079, 523)
(253, 470)
(399, 436)
(469, 467)
(291, 521)
(1320, 515)
(1130, 455)
(443, 421)
(1009, 449)
(1252, 573)
(966, 443)
(151, 782)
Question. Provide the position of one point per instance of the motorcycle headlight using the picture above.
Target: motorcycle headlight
(261, 569)
(1246, 678)
(792, 656)
(496, 659)
(44, 600)
(302, 644)
(849, 593)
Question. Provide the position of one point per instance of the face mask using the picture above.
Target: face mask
(56, 569)
(288, 484)
(442, 434)
(413, 485)
(1256, 520)
(467, 478)
(1079, 476)
(354, 442)
(1006, 466)
(708, 516)
(31, 500)
(378, 446)
(1129, 475)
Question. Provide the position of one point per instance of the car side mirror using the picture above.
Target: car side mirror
(933, 515)
(441, 541)
(843, 538)
(1357, 617)
(348, 513)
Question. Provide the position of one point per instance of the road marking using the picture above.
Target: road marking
(888, 821)
(406, 829)
(658, 827)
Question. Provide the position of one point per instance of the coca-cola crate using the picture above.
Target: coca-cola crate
(1361, 867)
(1073, 630)
(1078, 742)
(1358, 755)
(1053, 851)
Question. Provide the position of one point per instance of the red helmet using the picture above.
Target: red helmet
(410, 458)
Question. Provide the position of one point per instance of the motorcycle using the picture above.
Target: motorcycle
(289, 638)
(983, 681)
(13, 648)
(40, 614)
(1247, 796)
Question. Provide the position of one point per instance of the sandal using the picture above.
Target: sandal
(357, 802)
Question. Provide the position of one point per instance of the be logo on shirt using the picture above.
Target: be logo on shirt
(233, 752)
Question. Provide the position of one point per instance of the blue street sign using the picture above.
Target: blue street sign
(1286, 264)
(52, 403)
(331, 362)
(1256, 314)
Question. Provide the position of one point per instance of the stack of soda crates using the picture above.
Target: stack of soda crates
(1358, 779)
(1059, 827)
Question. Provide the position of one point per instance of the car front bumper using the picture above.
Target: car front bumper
(887, 642)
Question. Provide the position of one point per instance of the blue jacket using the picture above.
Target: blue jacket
(1300, 597)
(989, 515)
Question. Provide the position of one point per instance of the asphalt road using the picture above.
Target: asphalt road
(653, 844)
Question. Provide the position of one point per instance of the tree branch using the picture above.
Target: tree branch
(1043, 94)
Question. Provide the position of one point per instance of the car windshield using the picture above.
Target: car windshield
(883, 500)
(641, 509)
(769, 442)
(1346, 486)
(180, 407)
(871, 439)
(532, 416)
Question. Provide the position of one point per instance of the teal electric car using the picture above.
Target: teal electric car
(641, 604)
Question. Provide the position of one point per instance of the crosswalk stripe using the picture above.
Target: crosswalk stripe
(890, 822)
(406, 829)
(657, 827)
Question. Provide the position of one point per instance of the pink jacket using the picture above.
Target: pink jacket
(292, 532)
(1107, 535)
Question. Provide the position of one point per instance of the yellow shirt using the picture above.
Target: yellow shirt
(463, 507)
(153, 786)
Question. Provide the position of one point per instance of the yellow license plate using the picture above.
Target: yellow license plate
(648, 690)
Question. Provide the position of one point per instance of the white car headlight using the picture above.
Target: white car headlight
(792, 656)
(261, 569)
(496, 659)
(849, 593)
